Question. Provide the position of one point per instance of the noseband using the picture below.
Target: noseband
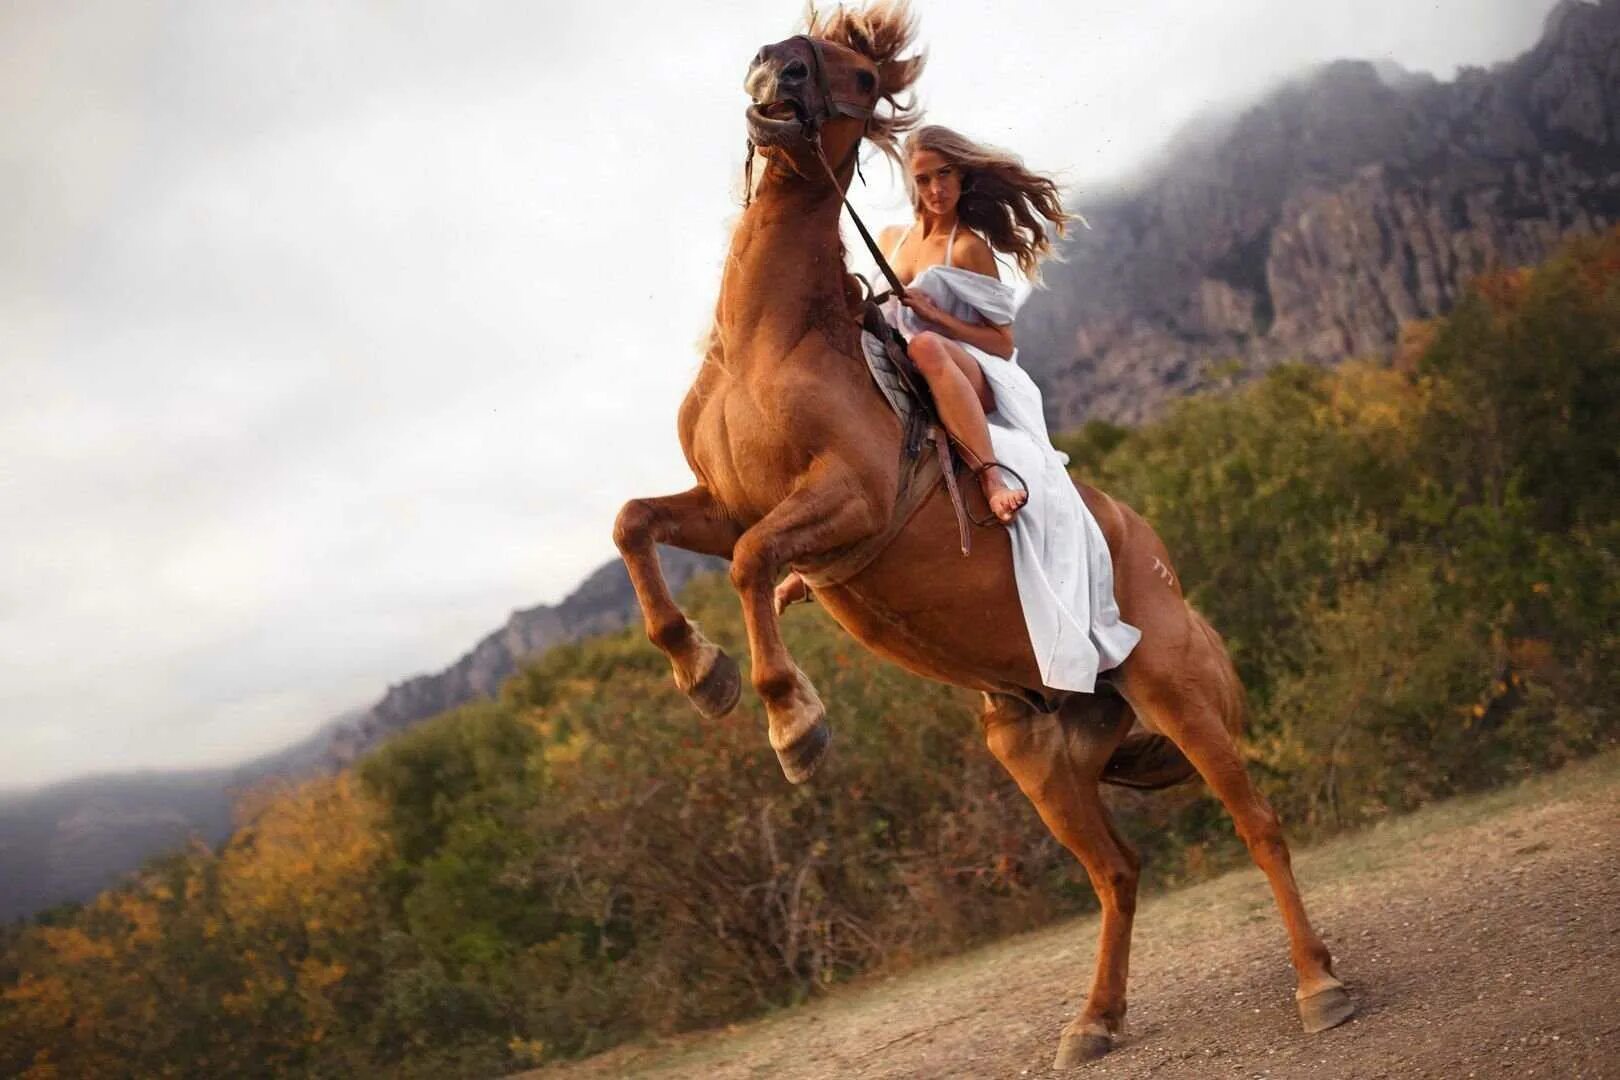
(831, 107)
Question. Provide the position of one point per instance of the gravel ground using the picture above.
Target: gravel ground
(1479, 938)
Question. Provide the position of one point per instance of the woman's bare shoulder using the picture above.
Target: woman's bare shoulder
(972, 253)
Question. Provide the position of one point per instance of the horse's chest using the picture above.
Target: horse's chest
(744, 448)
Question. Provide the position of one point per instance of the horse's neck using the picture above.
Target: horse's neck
(786, 261)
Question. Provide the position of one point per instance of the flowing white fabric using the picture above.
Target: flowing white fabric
(1061, 562)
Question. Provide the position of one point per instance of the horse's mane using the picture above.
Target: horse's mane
(879, 32)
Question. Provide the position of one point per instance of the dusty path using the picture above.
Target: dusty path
(1479, 938)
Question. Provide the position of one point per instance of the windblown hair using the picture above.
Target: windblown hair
(880, 32)
(1003, 201)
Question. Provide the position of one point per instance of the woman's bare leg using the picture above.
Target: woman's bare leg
(964, 396)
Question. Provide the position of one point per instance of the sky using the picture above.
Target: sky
(333, 332)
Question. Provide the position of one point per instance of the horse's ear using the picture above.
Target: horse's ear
(855, 37)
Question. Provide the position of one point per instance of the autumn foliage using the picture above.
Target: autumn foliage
(1415, 567)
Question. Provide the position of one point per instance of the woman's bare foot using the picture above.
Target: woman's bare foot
(1005, 502)
(791, 591)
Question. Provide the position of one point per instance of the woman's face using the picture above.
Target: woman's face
(938, 181)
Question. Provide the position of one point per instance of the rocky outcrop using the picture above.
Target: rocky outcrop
(1317, 222)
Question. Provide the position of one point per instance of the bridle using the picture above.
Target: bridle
(831, 109)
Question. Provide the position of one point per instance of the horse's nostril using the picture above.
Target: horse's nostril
(795, 71)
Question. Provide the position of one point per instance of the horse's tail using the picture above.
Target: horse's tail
(1149, 761)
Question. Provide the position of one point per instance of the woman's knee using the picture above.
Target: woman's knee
(928, 352)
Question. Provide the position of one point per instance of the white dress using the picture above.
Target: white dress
(1061, 562)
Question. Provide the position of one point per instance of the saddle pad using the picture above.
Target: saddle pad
(889, 381)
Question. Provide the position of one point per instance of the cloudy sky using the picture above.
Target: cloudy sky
(331, 332)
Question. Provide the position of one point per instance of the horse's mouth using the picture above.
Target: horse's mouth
(776, 122)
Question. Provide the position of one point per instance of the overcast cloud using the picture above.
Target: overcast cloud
(331, 333)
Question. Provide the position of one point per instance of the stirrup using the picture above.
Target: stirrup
(992, 520)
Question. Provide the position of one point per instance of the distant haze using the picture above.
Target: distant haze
(329, 333)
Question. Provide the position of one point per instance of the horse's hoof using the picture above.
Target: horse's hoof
(1325, 1009)
(800, 757)
(799, 733)
(720, 688)
(1079, 1047)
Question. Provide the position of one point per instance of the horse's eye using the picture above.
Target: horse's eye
(866, 81)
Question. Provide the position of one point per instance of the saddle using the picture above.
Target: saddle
(922, 431)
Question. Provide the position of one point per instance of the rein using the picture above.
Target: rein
(871, 245)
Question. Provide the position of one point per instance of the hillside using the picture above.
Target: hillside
(70, 840)
(1479, 937)
(1317, 222)
(604, 601)
(583, 861)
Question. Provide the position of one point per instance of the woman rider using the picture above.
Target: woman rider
(970, 201)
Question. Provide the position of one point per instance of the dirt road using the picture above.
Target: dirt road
(1479, 937)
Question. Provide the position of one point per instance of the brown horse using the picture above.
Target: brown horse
(796, 457)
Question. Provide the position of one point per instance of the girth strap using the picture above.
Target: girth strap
(918, 479)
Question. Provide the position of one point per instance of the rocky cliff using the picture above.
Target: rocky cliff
(1315, 223)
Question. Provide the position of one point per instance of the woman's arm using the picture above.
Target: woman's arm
(995, 340)
(970, 253)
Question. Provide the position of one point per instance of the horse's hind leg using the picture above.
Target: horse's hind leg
(1183, 686)
(694, 521)
(1057, 761)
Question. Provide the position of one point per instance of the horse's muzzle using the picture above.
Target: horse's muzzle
(778, 81)
(777, 123)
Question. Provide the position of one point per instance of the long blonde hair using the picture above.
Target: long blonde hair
(1002, 201)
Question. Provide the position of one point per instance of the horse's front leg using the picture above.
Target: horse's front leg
(695, 521)
(829, 509)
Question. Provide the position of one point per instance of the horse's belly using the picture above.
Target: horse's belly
(938, 614)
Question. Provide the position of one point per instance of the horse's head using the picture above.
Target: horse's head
(830, 80)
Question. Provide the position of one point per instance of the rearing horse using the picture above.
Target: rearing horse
(796, 455)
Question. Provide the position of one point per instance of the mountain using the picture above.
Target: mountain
(70, 840)
(1312, 225)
